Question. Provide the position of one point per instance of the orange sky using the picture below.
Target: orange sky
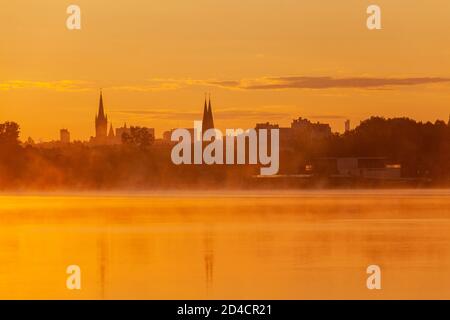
(265, 60)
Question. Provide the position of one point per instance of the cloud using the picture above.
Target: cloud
(327, 117)
(60, 85)
(301, 82)
(263, 83)
(230, 114)
(223, 114)
(287, 82)
(163, 84)
(164, 114)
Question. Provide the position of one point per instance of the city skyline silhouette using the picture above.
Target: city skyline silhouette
(324, 65)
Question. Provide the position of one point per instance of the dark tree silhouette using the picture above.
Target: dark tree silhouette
(423, 150)
(9, 134)
(138, 137)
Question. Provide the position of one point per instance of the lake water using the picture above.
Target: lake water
(219, 245)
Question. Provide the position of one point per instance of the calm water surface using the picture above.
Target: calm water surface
(253, 245)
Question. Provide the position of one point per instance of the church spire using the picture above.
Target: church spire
(208, 122)
(205, 117)
(205, 110)
(210, 114)
(101, 110)
(111, 131)
(101, 121)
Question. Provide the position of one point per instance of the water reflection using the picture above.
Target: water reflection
(209, 260)
(103, 248)
(295, 245)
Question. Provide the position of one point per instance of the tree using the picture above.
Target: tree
(138, 137)
(423, 149)
(9, 134)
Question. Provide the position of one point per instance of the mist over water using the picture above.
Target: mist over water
(218, 245)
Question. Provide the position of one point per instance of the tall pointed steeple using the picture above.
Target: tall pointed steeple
(101, 110)
(208, 121)
(210, 114)
(205, 117)
(101, 122)
(111, 131)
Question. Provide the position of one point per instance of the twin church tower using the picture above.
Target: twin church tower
(208, 121)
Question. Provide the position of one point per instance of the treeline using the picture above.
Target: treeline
(136, 164)
(423, 150)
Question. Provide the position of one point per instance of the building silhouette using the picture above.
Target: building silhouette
(314, 131)
(347, 125)
(267, 126)
(120, 132)
(300, 130)
(111, 135)
(101, 123)
(208, 120)
(103, 136)
(64, 136)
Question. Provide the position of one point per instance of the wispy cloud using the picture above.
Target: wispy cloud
(60, 85)
(223, 114)
(262, 83)
(161, 114)
(327, 117)
(300, 82)
(157, 84)
(288, 82)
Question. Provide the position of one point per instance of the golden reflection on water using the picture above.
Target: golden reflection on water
(253, 245)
